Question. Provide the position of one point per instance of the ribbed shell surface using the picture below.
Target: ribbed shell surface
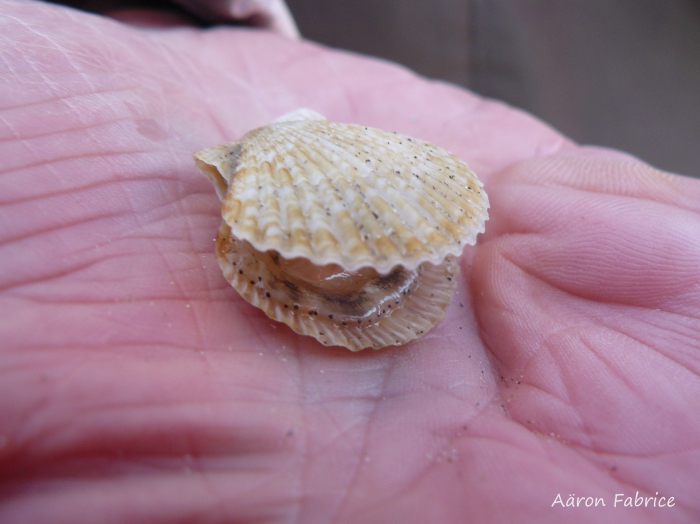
(347, 194)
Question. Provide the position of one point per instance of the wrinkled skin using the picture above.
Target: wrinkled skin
(136, 386)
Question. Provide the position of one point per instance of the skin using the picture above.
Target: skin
(136, 385)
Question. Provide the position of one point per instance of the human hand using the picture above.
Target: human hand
(136, 385)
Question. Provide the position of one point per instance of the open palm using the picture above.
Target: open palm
(137, 386)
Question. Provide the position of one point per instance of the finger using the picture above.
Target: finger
(604, 229)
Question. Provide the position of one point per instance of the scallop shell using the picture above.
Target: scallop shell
(343, 232)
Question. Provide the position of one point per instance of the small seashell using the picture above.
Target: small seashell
(343, 232)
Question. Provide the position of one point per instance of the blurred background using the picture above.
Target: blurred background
(619, 73)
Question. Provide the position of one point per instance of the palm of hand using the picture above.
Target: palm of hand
(136, 381)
